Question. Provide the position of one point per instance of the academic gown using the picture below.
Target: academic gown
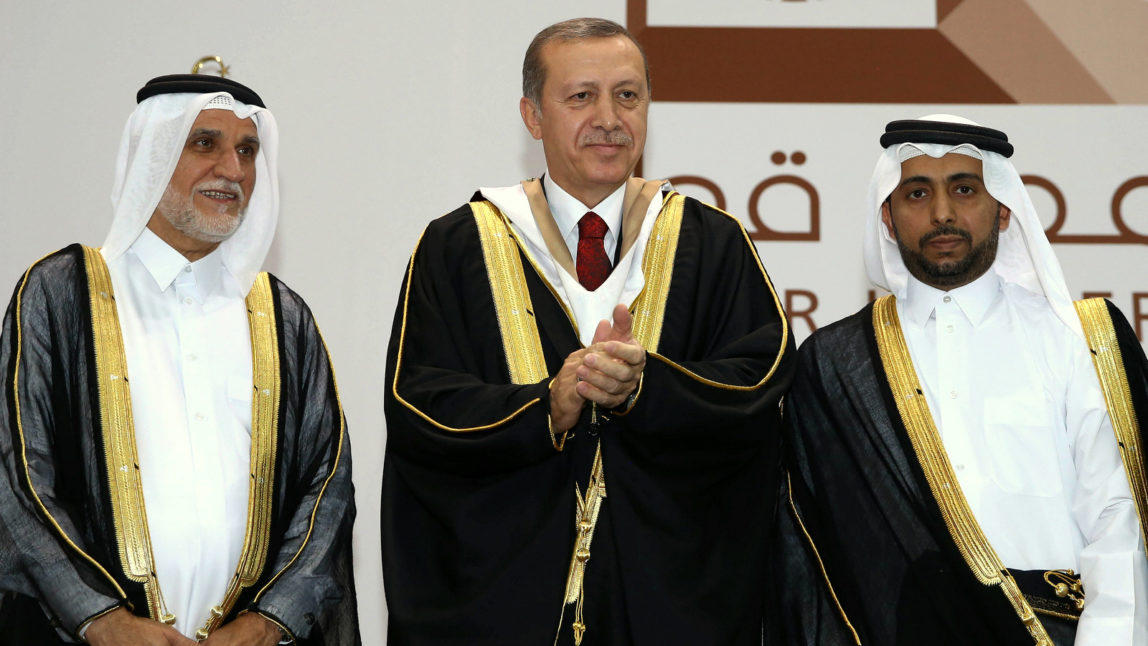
(478, 501)
(72, 559)
(864, 555)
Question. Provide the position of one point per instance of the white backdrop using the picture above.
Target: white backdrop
(392, 113)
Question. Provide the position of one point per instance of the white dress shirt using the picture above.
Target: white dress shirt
(188, 348)
(625, 281)
(1016, 399)
(568, 211)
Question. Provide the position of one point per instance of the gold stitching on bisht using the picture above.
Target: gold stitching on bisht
(515, 312)
(264, 433)
(121, 459)
(1107, 359)
(820, 563)
(326, 482)
(658, 267)
(399, 365)
(776, 303)
(24, 445)
(971, 541)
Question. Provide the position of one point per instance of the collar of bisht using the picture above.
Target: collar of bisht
(1024, 255)
(150, 147)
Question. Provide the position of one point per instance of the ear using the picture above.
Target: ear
(1005, 215)
(531, 116)
(887, 218)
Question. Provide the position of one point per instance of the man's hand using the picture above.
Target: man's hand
(120, 627)
(565, 402)
(613, 364)
(248, 629)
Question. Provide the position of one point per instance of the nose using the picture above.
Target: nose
(229, 166)
(606, 113)
(944, 211)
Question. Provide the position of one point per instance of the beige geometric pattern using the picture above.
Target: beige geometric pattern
(982, 51)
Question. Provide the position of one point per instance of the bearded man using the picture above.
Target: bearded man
(964, 460)
(176, 455)
(582, 389)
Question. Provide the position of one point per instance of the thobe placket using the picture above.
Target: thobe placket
(955, 415)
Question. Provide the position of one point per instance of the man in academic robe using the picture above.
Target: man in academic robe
(175, 455)
(964, 459)
(582, 389)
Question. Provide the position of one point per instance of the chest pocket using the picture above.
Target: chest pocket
(239, 393)
(1021, 440)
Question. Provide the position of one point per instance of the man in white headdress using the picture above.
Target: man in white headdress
(963, 455)
(176, 456)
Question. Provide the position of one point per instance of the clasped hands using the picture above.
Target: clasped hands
(605, 373)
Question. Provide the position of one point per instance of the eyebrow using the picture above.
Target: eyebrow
(251, 139)
(955, 177)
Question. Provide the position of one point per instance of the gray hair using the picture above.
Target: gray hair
(534, 72)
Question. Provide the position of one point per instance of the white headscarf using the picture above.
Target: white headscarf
(149, 151)
(1024, 255)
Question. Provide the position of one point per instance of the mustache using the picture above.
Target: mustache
(945, 230)
(611, 137)
(225, 185)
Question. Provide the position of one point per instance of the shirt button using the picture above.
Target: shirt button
(187, 268)
(199, 417)
(960, 467)
(952, 394)
(949, 329)
(948, 299)
(188, 300)
(191, 357)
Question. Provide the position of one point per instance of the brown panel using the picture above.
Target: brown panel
(810, 65)
(944, 8)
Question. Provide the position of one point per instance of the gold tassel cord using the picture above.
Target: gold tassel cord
(586, 519)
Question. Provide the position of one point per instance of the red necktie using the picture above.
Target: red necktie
(593, 264)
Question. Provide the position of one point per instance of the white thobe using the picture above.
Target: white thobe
(1016, 399)
(188, 348)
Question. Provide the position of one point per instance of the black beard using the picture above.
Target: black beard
(945, 275)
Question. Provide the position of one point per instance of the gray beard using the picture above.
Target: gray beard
(188, 220)
(952, 273)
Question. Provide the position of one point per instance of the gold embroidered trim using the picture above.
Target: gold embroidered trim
(24, 445)
(820, 564)
(515, 312)
(121, 459)
(288, 636)
(264, 435)
(777, 304)
(326, 482)
(1109, 363)
(558, 440)
(658, 267)
(930, 452)
(88, 622)
(399, 364)
(1051, 613)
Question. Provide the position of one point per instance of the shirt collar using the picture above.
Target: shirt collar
(567, 210)
(165, 264)
(974, 299)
